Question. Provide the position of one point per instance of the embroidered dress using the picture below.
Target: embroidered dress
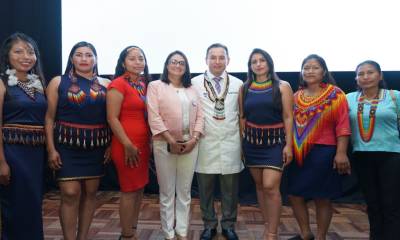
(134, 122)
(264, 134)
(317, 124)
(81, 133)
(24, 151)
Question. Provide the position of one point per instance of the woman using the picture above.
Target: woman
(77, 136)
(266, 111)
(130, 145)
(376, 145)
(176, 121)
(321, 133)
(22, 153)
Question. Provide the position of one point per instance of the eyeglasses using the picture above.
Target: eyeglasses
(175, 62)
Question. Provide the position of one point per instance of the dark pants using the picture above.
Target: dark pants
(379, 178)
(229, 199)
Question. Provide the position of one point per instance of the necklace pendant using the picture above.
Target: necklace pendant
(366, 133)
(219, 109)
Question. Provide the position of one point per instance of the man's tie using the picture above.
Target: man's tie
(218, 84)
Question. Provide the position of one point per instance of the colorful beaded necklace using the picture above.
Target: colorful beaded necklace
(77, 96)
(261, 86)
(366, 133)
(138, 85)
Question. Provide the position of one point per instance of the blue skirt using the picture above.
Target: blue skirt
(21, 200)
(80, 163)
(263, 156)
(316, 178)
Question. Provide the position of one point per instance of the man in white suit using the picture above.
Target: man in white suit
(219, 149)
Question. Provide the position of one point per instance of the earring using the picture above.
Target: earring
(12, 78)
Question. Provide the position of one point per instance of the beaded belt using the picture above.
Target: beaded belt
(82, 135)
(23, 134)
(264, 134)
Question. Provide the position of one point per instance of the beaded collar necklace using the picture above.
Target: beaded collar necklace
(261, 86)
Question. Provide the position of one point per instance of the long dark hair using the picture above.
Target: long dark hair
(120, 69)
(5, 61)
(276, 93)
(186, 81)
(70, 65)
(382, 82)
(327, 77)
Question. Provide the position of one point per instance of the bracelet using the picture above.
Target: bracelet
(196, 137)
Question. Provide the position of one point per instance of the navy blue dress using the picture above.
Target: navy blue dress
(264, 134)
(81, 134)
(24, 150)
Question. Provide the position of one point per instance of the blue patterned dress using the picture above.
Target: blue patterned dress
(81, 134)
(264, 133)
(23, 143)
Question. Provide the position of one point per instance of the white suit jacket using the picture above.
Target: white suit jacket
(219, 148)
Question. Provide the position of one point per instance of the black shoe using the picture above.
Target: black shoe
(230, 234)
(208, 233)
(125, 237)
(298, 237)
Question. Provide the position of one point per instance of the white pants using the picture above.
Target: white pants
(175, 175)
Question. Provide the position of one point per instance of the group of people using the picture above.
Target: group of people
(212, 124)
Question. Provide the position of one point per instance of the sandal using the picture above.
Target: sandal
(271, 236)
(179, 237)
(122, 237)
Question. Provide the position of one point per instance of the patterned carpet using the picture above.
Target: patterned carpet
(349, 220)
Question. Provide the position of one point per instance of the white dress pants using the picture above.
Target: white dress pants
(174, 175)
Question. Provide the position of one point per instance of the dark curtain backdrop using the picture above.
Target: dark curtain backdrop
(41, 19)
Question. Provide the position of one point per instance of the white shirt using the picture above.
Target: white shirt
(185, 103)
(219, 148)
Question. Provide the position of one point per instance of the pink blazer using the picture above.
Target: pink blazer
(165, 113)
